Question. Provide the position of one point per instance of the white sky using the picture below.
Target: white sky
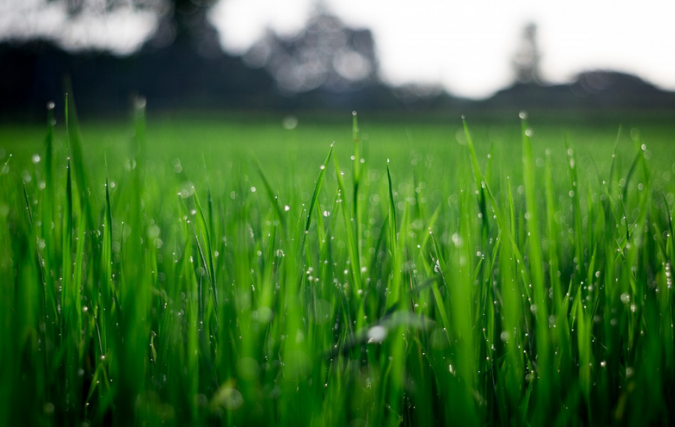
(467, 45)
(464, 45)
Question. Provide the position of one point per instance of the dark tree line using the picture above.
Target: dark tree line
(326, 66)
(183, 66)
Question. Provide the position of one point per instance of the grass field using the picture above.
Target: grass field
(226, 270)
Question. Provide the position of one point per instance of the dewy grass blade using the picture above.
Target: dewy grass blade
(272, 198)
(575, 189)
(624, 191)
(478, 179)
(392, 213)
(5, 167)
(540, 306)
(67, 227)
(396, 251)
(561, 328)
(355, 268)
(75, 154)
(356, 184)
(48, 202)
(315, 196)
(207, 238)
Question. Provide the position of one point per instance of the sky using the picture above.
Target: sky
(465, 46)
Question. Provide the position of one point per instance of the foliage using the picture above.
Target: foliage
(480, 275)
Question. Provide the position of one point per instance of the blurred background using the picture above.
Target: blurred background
(289, 55)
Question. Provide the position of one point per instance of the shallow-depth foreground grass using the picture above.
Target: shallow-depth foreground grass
(492, 278)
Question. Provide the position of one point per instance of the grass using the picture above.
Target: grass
(230, 271)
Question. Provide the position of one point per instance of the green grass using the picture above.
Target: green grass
(227, 271)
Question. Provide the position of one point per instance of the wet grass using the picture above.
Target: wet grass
(219, 271)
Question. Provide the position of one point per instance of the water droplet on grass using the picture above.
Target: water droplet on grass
(140, 102)
(229, 397)
(48, 408)
(186, 190)
(377, 334)
(289, 122)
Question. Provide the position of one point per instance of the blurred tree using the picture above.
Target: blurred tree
(179, 21)
(188, 17)
(78, 7)
(185, 22)
(177, 62)
(325, 54)
(527, 57)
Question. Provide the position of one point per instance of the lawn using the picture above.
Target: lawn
(256, 269)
